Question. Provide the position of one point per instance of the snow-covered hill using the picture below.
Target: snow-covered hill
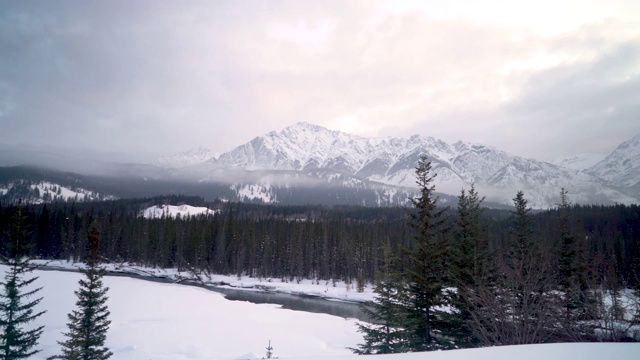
(38, 192)
(305, 147)
(158, 211)
(622, 166)
(187, 158)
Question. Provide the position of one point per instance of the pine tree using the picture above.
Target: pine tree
(16, 309)
(470, 264)
(567, 262)
(89, 323)
(407, 311)
(385, 334)
(576, 298)
(425, 269)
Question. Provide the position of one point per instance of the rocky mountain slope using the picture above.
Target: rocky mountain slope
(622, 167)
(309, 164)
(579, 162)
(303, 148)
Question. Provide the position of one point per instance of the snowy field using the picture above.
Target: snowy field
(167, 321)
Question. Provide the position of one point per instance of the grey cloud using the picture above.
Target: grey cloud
(162, 76)
(590, 106)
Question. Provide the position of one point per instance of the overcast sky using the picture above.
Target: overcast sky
(541, 79)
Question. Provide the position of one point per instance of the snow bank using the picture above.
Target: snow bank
(337, 290)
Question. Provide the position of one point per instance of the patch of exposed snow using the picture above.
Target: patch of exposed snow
(248, 192)
(158, 211)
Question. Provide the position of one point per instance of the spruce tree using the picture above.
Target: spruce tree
(408, 311)
(470, 264)
(576, 298)
(17, 310)
(88, 324)
(425, 269)
(385, 334)
(568, 252)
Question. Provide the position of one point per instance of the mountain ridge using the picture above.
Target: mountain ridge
(306, 163)
(391, 161)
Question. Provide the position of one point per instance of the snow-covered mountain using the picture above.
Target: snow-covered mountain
(304, 147)
(622, 167)
(309, 164)
(188, 158)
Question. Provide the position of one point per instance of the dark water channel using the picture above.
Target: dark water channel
(306, 303)
(297, 302)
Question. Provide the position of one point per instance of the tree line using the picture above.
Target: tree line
(313, 242)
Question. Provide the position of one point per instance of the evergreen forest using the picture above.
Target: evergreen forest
(290, 242)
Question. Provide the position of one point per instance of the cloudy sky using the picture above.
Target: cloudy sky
(542, 79)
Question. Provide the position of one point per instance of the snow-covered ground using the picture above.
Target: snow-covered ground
(167, 321)
(157, 211)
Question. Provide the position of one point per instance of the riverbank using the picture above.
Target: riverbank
(324, 289)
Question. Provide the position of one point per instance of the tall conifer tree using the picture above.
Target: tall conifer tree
(470, 265)
(408, 303)
(425, 270)
(17, 341)
(89, 323)
(577, 300)
(385, 333)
